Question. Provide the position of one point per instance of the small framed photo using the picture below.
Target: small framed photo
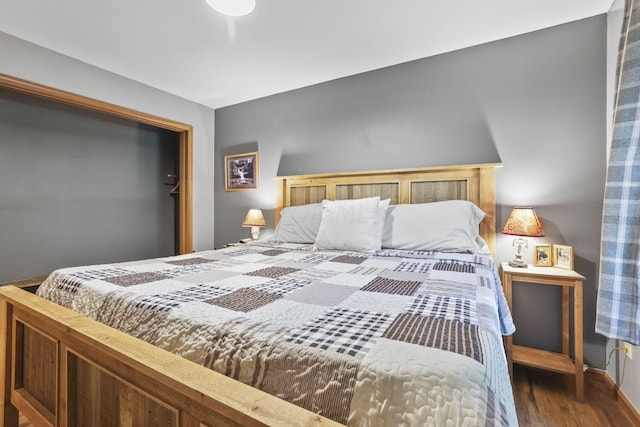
(241, 172)
(542, 256)
(563, 256)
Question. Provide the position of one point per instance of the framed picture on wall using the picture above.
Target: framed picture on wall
(542, 256)
(241, 172)
(563, 257)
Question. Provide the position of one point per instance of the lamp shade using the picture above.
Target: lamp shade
(524, 221)
(254, 218)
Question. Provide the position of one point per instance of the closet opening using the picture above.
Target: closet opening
(85, 182)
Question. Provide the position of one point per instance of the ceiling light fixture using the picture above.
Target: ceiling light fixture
(232, 7)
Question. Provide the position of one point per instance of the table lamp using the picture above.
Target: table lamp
(523, 221)
(255, 220)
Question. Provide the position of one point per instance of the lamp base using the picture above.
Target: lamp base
(518, 264)
(255, 232)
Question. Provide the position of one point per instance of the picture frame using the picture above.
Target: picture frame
(543, 256)
(563, 256)
(241, 171)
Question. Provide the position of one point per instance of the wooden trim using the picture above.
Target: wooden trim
(32, 409)
(57, 95)
(390, 171)
(487, 202)
(196, 394)
(185, 227)
(8, 412)
(65, 366)
(185, 209)
(480, 187)
(617, 393)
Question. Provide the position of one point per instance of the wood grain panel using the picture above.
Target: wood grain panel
(37, 373)
(360, 191)
(306, 195)
(94, 399)
(8, 412)
(101, 399)
(438, 191)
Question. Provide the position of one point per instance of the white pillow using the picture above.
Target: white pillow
(383, 205)
(349, 225)
(449, 226)
(483, 248)
(299, 224)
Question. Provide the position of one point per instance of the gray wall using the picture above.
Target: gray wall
(535, 102)
(80, 188)
(34, 63)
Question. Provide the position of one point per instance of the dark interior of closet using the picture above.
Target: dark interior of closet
(82, 187)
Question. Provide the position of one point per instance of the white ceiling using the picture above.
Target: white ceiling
(185, 48)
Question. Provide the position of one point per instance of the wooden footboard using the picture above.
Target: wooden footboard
(63, 369)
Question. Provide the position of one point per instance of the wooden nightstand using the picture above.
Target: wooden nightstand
(551, 361)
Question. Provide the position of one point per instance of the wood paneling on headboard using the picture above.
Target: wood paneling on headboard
(475, 183)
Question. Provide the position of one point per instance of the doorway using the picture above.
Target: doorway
(87, 182)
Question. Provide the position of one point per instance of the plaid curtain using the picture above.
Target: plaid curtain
(618, 305)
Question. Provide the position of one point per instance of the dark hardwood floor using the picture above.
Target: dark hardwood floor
(548, 399)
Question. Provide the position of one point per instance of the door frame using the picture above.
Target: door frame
(185, 132)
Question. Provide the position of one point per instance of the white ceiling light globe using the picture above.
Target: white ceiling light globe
(233, 7)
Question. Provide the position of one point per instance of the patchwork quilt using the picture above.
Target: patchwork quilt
(395, 338)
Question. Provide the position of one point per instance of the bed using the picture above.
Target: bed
(345, 316)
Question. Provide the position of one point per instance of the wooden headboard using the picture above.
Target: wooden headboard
(475, 183)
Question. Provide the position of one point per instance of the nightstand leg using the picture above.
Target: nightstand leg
(565, 320)
(577, 321)
(508, 347)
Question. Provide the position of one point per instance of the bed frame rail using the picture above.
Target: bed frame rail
(62, 369)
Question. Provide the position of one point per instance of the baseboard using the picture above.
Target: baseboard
(618, 394)
(26, 283)
(29, 285)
